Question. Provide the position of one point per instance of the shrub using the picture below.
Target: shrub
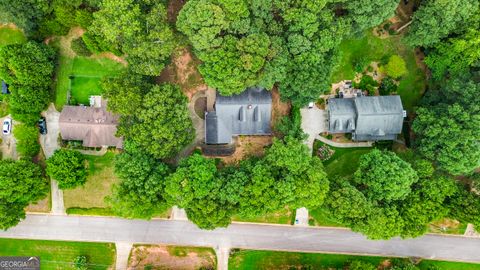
(387, 86)
(367, 83)
(79, 47)
(325, 153)
(395, 67)
(68, 168)
(361, 265)
(290, 125)
(81, 262)
(27, 140)
(360, 63)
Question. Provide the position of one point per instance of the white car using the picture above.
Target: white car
(311, 104)
(7, 126)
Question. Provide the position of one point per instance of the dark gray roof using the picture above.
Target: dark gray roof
(4, 88)
(215, 130)
(341, 115)
(248, 113)
(379, 115)
(368, 117)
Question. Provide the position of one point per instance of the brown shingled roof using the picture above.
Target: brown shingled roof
(96, 127)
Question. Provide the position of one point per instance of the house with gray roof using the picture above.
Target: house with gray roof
(248, 113)
(368, 118)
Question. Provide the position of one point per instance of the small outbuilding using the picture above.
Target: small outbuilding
(248, 113)
(368, 118)
(94, 126)
(5, 88)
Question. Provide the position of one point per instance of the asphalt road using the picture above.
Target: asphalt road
(106, 229)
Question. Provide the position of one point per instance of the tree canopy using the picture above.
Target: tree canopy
(260, 43)
(67, 167)
(161, 124)
(28, 69)
(140, 194)
(138, 29)
(21, 183)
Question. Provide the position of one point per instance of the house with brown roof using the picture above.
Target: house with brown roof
(94, 125)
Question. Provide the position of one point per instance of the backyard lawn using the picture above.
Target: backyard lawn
(90, 197)
(59, 254)
(83, 76)
(285, 216)
(9, 35)
(344, 161)
(256, 259)
(371, 48)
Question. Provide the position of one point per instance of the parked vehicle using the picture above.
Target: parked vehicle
(7, 126)
(310, 105)
(42, 125)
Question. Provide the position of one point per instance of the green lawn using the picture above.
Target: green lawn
(344, 161)
(257, 259)
(9, 35)
(372, 48)
(285, 216)
(322, 217)
(86, 74)
(99, 184)
(59, 254)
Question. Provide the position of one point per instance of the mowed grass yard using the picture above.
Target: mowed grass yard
(90, 197)
(263, 260)
(284, 216)
(10, 35)
(60, 254)
(83, 75)
(372, 48)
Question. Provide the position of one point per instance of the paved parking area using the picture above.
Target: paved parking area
(313, 123)
(8, 147)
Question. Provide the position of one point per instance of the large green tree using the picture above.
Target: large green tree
(28, 69)
(161, 124)
(68, 168)
(140, 194)
(447, 126)
(26, 14)
(436, 19)
(259, 43)
(21, 183)
(138, 29)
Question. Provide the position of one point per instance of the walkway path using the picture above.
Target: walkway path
(123, 252)
(344, 145)
(309, 239)
(49, 143)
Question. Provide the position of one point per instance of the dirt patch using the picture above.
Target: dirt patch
(247, 146)
(183, 71)
(174, 7)
(111, 56)
(42, 206)
(279, 108)
(200, 107)
(168, 257)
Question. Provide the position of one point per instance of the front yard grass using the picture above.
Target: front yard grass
(60, 254)
(371, 48)
(261, 259)
(9, 35)
(99, 185)
(322, 217)
(284, 216)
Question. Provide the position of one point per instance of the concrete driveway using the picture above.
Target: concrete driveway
(313, 123)
(9, 143)
(49, 143)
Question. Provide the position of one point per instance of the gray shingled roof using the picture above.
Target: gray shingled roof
(248, 113)
(379, 115)
(369, 118)
(341, 115)
(4, 88)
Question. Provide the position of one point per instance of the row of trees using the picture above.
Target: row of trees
(285, 176)
(293, 43)
(448, 118)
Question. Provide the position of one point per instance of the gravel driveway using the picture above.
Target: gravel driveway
(313, 123)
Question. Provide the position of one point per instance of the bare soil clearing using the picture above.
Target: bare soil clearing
(248, 146)
(171, 257)
(279, 108)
